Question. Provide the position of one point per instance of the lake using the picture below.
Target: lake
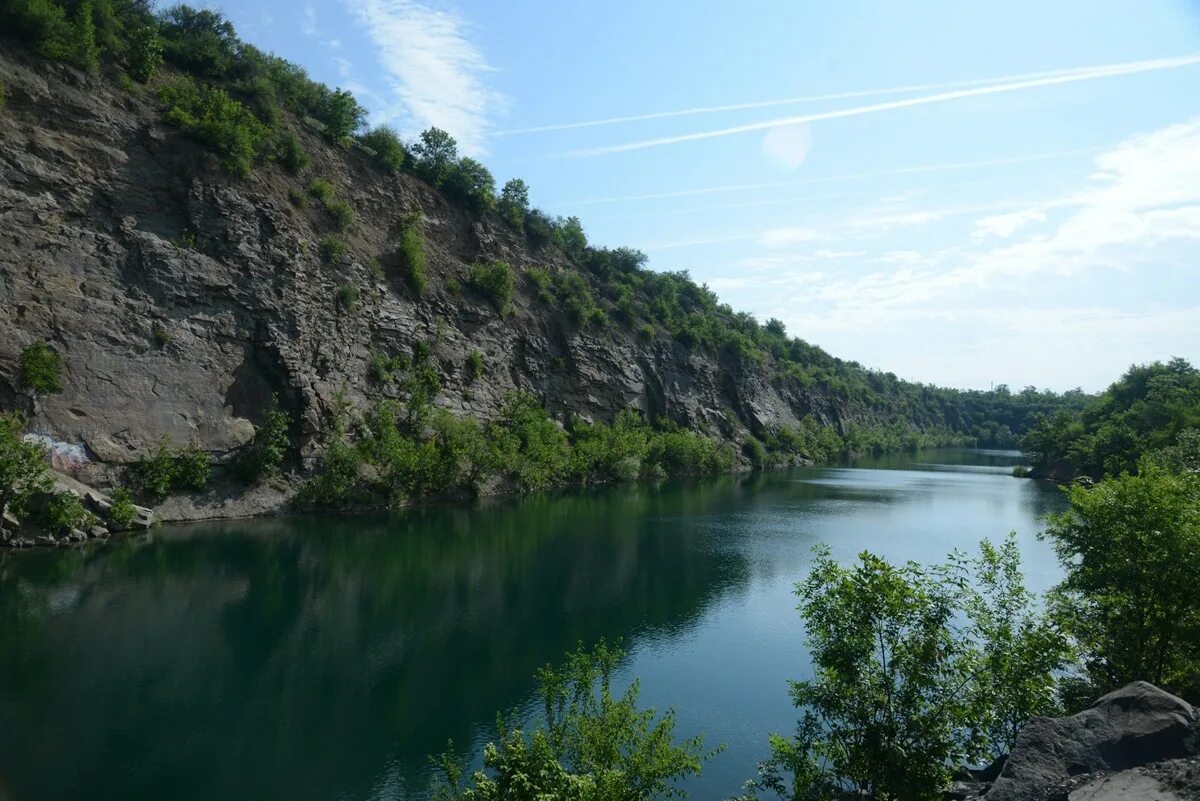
(325, 657)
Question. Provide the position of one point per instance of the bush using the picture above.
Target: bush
(321, 189)
(592, 744)
(541, 280)
(576, 298)
(212, 117)
(687, 453)
(145, 53)
(471, 182)
(475, 366)
(514, 203)
(161, 336)
(336, 482)
(333, 249)
(410, 253)
(389, 151)
(1130, 548)
(292, 154)
(437, 154)
(65, 512)
(121, 512)
(84, 52)
(342, 213)
(539, 228)
(907, 663)
(347, 297)
(342, 116)
(495, 280)
(383, 368)
(165, 471)
(199, 40)
(41, 367)
(264, 454)
(22, 468)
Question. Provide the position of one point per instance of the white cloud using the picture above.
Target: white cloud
(344, 67)
(308, 23)
(434, 72)
(1005, 225)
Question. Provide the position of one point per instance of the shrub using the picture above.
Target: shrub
(514, 203)
(199, 40)
(389, 151)
(298, 198)
(527, 445)
(687, 453)
(495, 280)
(333, 249)
(1130, 548)
(569, 235)
(321, 189)
(65, 512)
(292, 154)
(383, 368)
(145, 53)
(576, 298)
(336, 482)
(22, 467)
(646, 332)
(539, 228)
(453, 287)
(410, 254)
(161, 336)
(164, 470)
(212, 117)
(42, 22)
(592, 744)
(341, 212)
(473, 183)
(347, 297)
(121, 512)
(540, 278)
(84, 52)
(342, 116)
(263, 455)
(41, 367)
(437, 154)
(907, 660)
(475, 366)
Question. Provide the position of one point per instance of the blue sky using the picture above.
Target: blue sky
(973, 193)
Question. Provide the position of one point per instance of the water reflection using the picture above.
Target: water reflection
(324, 658)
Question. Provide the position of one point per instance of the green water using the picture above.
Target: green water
(323, 658)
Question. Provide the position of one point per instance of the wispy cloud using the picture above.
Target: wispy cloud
(434, 72)
(308, 22)
(1127, 68)
(921, 168)
(794, 101)
(1005, 225)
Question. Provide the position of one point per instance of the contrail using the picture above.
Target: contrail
(791, 101)
(1128, 68)
(954, 165)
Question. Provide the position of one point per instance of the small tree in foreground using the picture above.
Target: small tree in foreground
(592, 744)
(908, 664)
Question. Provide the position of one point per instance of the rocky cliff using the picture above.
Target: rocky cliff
(181, 299)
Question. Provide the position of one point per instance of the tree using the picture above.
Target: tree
(342, 116)
(472, 182)
(570, 237)
(514, 202)
(199, 40)
(436, 153)
(22, 467)
(916, 669)
(389, 151)
(592, 744)
(1130, 548)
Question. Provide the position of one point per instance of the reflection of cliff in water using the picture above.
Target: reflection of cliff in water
(312, 658)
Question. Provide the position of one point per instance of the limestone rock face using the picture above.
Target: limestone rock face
(1135, 726)
(181, 299)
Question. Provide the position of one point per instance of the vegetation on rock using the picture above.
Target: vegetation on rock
(41, 368)
(22, 468)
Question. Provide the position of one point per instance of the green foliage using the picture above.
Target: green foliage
(384, 369)
(41, 368)
(569, 235)
(292, 154)
(541, 280)
(263, 456)
(333, 249)
(64, 512)
(908, 661)
(539, 228)
(161, 336)
(602, 454)
(199, 41)
(410, 253)
(145, 52)
(343, 116)
(212, 117)
(592, 744)
(165, 470)
(347, 297)
(322, 190)
(688, 453)
(473, 183)
(1182, 457)
(1145, 410)
(475, 366)
(389, 150)
(84, 52)
(121, 512)
(530, 448)
(340, 210)
(43, 23)
(437, 155)
(514, 203)
(1130, 548)
(494, 280)
(22, 467)
(336, 482)
(575, 297)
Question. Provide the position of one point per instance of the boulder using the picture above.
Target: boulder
(1136, 725)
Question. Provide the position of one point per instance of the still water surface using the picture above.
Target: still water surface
(323, 658)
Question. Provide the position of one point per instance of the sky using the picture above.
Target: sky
(966, 194)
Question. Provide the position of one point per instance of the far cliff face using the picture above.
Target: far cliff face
(181, 299)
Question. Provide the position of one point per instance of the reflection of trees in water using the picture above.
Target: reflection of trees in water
(302, 658)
